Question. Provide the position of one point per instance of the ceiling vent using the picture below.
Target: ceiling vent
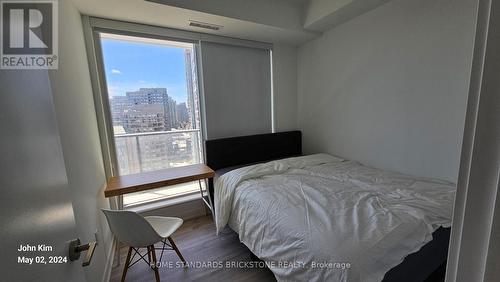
(205, 25)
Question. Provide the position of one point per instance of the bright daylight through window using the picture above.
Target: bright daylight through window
(153, 99)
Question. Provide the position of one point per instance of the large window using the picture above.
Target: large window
(153, 102)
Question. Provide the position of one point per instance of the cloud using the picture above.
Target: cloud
(115, 71)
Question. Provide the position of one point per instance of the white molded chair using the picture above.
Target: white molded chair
(143, 232)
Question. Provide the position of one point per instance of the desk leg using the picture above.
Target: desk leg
(207, 202)
(212, 208)
(202, 201)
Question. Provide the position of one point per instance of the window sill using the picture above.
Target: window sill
(145, 207)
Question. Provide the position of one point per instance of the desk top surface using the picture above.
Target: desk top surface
(119, 185)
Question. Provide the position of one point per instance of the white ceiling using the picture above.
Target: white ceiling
(267, 27)
(275, 21)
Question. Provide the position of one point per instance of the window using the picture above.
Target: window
(154, 108)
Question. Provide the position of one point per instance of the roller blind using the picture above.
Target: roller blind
(237, 90)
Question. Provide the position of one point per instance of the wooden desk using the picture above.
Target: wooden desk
(120, 185)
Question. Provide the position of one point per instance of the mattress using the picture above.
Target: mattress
(319, 218)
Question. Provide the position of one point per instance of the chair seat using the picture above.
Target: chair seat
(164, 226)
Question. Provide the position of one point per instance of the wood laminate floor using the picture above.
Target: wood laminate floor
(200, 246)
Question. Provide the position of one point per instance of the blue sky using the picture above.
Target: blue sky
(130, 66)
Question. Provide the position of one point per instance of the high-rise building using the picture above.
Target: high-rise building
(144, 110)
(154, 96)
(148, 96)
(118, 104)
(144, 118)
(183, 115)
(192, 89)
(171, 113)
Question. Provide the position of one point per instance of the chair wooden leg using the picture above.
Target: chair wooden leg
(153, 255)
(149, 256)
(127, 263)
(176, 250)
(117, 251)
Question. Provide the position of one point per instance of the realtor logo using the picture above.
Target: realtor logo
(28, 34)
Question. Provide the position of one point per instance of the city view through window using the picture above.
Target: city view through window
(153, 99)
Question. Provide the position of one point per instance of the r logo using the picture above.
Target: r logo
(27, 28)
(28, 34)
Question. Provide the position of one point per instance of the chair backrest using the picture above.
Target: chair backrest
(131, 228)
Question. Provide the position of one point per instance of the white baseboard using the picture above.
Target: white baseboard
(109, 262)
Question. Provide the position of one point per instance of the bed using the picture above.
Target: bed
(323, 218)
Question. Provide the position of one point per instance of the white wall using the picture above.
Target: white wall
(77, 123)
(389, 87)
(285, 87)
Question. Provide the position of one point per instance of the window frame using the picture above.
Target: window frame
(92, 29)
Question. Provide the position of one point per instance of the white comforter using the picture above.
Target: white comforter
(318, 218)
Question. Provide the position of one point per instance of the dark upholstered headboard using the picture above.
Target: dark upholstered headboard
(242, 150)
(249, 149)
